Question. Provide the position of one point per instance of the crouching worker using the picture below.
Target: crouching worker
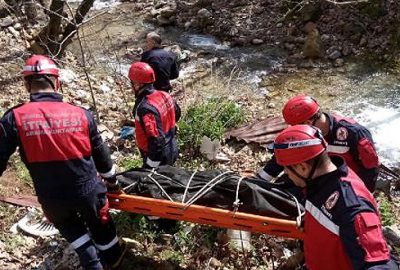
(156, 114)
(341, 225)
(62, 149)
(345, 138)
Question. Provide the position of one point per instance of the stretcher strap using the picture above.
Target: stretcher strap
(187, 186)
(207, 187)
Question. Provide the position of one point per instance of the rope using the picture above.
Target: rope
(128, 187)
(237, 202)
(187, 186)
(299, 213)
(205, 189)
(159, 186)
(166, 177)
(202, 192)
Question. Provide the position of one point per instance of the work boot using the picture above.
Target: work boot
(117, 264)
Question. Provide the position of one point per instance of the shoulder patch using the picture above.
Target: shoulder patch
(342, 133)
(332, 200)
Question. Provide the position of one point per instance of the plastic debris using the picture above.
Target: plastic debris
(105, 88)
(210, 148)
(127, 132)
(43, 228)
(105, 133)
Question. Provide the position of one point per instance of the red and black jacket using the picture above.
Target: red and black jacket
(59, 144)
(342, 225)
(156, 114)
(352, 142)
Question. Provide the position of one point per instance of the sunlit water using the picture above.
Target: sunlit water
(365, 92)
(374, 100)
(100, 4)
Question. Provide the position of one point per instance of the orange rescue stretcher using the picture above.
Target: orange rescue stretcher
(205, 215)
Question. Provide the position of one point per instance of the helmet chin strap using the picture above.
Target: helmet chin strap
(314, 166)
(50, 82)
(139, 91)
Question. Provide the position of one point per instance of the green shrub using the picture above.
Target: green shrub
(134, 226)
(208, 118)
(385, 208)
(175, 257)
(128, 163)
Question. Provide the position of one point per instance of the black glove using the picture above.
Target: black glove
(113, 187)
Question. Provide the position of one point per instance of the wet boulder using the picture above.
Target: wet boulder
(204, 17)
(312, 46)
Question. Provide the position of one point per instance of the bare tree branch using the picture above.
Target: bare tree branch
(347, 2)
(71, 28)
(299, 6)
(56, 47)
(85, 68)
(54, 13)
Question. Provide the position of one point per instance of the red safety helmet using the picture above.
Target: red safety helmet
(40, 65)
(299, 109)
(297, 144)
(142, 73)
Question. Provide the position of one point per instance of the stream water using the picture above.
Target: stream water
(365, 91)
(100, 4)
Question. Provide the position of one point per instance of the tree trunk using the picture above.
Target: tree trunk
(54, 27)
(30, 10)
(47, 41)
(54, 38)
(80, 14)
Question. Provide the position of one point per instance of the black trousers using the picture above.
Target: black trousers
(169, 154)
(86, 224)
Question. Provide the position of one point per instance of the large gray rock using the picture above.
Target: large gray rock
(204, 13)
(162, 21)
(6, 22)
(392, 235)
(168, 12)
(204, 17)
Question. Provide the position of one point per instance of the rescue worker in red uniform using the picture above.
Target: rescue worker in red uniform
(342, 228)
(156, 114)
(63, 151)
(345, 137)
